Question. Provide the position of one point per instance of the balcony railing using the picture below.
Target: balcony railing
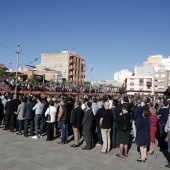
(71, 61)
(149, 83)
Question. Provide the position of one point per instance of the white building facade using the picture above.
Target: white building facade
(121, 75)
(140, 84)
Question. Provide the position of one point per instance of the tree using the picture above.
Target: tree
(32, 80)
(69, 84)
(53, 82)
(122, 90)
(3, 74)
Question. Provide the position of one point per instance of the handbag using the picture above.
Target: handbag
(48, 117)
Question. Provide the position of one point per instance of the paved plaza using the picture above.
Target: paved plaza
(20, 153)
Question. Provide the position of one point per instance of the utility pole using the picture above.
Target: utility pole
(16, 80)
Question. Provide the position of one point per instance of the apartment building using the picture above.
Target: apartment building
(156, 84)
(161, 80)
(141, 84)
(71, 66)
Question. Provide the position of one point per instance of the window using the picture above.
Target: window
(131, 80)
(162, 75)
(149, 80)
(160, 81)
(140, 80)
(156, 75)
(160, 87)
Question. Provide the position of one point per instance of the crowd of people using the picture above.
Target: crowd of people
(107, 121)
(9, 84)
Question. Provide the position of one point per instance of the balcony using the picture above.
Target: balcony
(149, 83)
(71, 61)
(83, 64)
(71, 68)
(70, 74)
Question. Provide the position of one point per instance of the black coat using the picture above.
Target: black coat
(8, 108)
(28, 112)
(15, 103)
(76, 117)
(98, 116)
(88, 119)
(1, 108)
(124, 120)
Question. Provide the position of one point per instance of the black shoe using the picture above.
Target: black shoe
(25, 135)
(18, 133)
(141, 160)
(167, 166)
(4, 129)
(126, 155)
(120, 156)
(86, 149)
(74, 146)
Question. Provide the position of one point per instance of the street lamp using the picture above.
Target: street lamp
(16, 81)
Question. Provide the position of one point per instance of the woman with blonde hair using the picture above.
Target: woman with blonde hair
(153, 128)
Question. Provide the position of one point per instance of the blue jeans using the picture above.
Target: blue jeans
(99, 135)
(169, 144)
(20, 123)
(43, 125)
(38, 122)
(161, 129)
(114, 137)
(64, 130)
(162, 135)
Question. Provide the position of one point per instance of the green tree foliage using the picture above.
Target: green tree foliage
(32, 80)
(3, 75)
(53, 82)
(122, 90)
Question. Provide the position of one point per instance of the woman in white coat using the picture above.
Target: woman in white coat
(51, 112)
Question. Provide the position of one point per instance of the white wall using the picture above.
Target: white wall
(121, 75)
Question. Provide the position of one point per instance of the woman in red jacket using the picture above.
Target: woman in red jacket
(153, 128)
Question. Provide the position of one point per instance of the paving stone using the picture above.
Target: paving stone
(20, 153)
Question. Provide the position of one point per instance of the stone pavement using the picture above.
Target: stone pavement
(20, 153)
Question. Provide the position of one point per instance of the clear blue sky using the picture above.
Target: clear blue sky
(110, 34)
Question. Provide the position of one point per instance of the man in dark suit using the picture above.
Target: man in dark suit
(8, 112)
(14, 122)
(87, 124)
(115, 113)
(76, 120)
(29, 117)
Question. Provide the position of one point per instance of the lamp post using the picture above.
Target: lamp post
(16, 80)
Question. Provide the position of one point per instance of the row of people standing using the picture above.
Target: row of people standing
(111, 120)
